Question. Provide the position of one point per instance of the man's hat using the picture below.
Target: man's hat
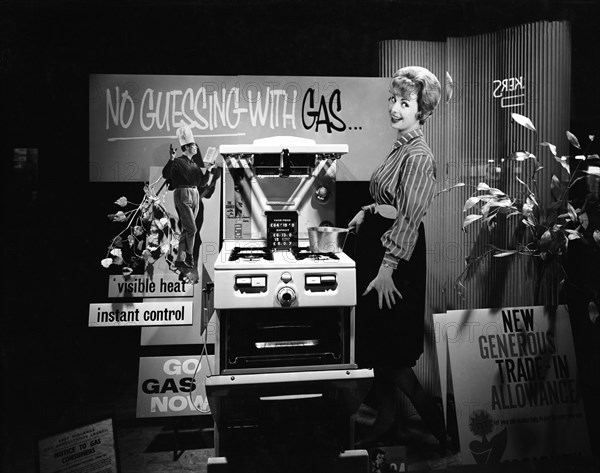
(185, 135)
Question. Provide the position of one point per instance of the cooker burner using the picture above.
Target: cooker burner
(251, 254)
(304, 253)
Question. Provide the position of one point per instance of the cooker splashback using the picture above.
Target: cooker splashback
(278, 174)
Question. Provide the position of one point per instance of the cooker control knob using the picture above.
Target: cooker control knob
(286, 296)
(286, 277)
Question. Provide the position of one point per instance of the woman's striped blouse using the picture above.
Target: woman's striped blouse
(406, 180)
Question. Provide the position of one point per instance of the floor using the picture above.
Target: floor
(184, 444)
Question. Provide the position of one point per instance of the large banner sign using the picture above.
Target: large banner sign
(133, 118)
(173, 385)
(514, 379)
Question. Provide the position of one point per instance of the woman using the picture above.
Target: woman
(391, 258)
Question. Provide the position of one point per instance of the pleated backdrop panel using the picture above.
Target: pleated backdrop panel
(534, 61)
(526, 70)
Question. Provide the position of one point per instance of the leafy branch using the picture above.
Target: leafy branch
(147, 236)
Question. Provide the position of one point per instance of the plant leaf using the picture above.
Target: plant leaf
(555, 187)
(460, 184)
(593, 171)
(546, 237)
(121, 201)
(527, 222)
(471, 201)
(523, 121)
(523, 183)
(593, 311)
(449, 87)
(520, 155)
(564, 164)
(482, 186)
(532, 197)
(490, 222)
(501, 203)
(469, 219)
(517, 178)
(551, 146)
(572, 212)
(485, 209)
(575, 180)
(573, 140)
(505, 253)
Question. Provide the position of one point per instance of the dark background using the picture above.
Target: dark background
(53, 368)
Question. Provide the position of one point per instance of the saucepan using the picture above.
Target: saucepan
(327, 239)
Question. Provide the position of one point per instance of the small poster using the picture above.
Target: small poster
(170, 386)
(87, 449)
(514, 378)
(282, 230)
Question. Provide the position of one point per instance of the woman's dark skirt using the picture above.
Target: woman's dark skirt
(389, 338)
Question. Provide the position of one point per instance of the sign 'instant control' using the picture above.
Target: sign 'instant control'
(141, 314)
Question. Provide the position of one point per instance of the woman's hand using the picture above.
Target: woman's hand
(385, 287)
(356, 222)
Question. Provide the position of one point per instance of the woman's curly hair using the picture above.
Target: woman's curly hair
(421, 82)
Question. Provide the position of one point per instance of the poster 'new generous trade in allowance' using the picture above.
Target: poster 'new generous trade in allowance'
(514, 379)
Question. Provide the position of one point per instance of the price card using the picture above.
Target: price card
(282, 230)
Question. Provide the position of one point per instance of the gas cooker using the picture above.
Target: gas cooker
(249, 275)
(285, 332)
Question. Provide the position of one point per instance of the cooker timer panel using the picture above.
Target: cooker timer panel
(320, 282)
(251, 284)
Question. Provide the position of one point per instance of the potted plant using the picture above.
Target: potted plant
(544, 231)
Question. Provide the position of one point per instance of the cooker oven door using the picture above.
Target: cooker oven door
(266, 340)
(245, 404)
